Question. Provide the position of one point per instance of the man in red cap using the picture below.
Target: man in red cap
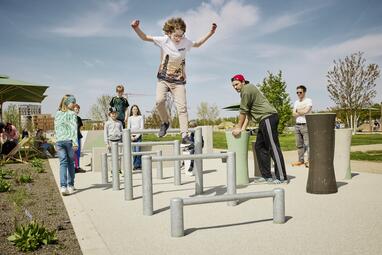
(254, 105)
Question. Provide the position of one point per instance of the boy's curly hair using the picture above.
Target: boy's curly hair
(172, 24)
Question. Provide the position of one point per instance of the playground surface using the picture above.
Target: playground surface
(348, 222)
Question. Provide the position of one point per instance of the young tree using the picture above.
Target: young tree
(12, 115)
(208, 114)
(100, 110)
(351, 85)
(274, 89)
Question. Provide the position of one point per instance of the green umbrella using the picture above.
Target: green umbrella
(19, 91)
(235, 107)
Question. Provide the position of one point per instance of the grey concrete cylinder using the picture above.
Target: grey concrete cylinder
(177, 174)
(231, 176)
(257, 172)
(279, 206)
(198, 163)
(128, 177)
(177, 222)
(159, 166)
(342, 153)
(321, 177)
(104, 169)
(147, 186)
(114, 165)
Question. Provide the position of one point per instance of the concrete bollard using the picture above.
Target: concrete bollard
(198, 163)
(128, 177)
(177, 222)
(177, 174)
(147, 186)
(114, 165)
(104, 169)
(279, 206)
(342, 153)
(159, 166)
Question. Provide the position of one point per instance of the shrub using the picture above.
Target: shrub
(25, 178)
(38, 165)
(4, 185)
(32, 236)
(5, 174)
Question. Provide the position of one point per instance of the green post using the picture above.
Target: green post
(240, 146)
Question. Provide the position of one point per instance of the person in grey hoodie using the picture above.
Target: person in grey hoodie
(112, 129)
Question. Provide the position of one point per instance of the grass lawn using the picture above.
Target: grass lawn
(287, 141)
(368, 155)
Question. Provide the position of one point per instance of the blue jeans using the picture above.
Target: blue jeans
(66, 155)
(137, 160)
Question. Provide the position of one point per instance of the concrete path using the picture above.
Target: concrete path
(348, 222)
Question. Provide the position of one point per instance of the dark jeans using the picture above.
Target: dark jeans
(267, 145)
(137, 160)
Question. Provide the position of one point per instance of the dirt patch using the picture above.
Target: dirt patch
(39, 200)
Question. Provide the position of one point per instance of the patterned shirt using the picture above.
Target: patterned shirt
(65, 126)
(121, 104)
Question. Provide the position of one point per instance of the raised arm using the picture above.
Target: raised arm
(202, 40)
(140, 33)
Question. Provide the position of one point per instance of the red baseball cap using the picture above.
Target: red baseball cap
(239, 77)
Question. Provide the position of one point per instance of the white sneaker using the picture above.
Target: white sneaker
(64, 191)
(71, 189)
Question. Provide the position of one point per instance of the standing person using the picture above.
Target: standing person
(302, 106)
(172, 74)
(135, 121)
(254, 105)
(77, 155)
(65, 126)
(120, 103)
(113, 128)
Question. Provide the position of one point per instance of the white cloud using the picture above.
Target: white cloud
(96, 22)
(280, 23)
(232, 17)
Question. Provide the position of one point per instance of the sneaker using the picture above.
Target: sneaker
(190, 171)
(298, 163)
(307, 164)
(186, 140)
(71, 189)
(263, 180)
(163, 129)
(277, 181)
(64, 191)
(79, 170)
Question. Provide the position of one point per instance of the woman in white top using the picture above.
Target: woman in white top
(135, 121)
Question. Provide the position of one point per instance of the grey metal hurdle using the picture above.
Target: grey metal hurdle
(177, 204)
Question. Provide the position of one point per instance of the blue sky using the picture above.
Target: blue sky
(87, 47)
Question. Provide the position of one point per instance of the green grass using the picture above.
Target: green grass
(154, 137)
(367, 155)
(288, 142)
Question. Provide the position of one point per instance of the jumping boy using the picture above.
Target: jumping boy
(171, 74)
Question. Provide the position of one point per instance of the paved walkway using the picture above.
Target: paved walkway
(348, 222)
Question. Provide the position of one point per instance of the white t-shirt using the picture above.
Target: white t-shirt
(306, 102)
(135, 122)
(173, 62)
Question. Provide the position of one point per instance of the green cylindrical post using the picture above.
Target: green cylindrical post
(240, 146)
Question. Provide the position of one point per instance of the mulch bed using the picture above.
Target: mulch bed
(41, 201)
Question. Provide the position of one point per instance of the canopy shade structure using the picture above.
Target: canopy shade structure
(19, 91)
(235, 107)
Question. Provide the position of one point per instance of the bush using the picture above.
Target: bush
(5, 174)
(4, 185)
(25, 178)
(32, 236)
(38, 165)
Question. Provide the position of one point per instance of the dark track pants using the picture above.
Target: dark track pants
(267, 145)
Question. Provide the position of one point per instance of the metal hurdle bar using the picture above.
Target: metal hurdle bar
(105, 170)
(177, 204)
(147, 184)
(127, 155)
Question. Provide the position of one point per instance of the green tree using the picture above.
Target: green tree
(208, 114)
(274, 89)
(12, 115)
(100, 110)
